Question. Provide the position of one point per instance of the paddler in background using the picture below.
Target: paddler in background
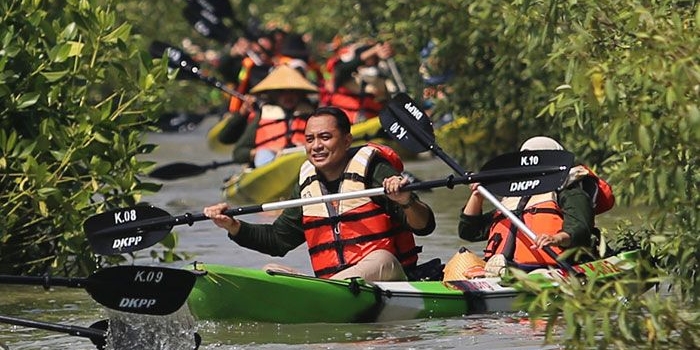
(280, 108)
(370, 238)
(561, 219)
(358, 86)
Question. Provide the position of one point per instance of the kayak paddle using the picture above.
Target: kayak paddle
(188, 68)
(137, 289)
(179, 170)
(126, 230)
(97, 332)
(405, 122)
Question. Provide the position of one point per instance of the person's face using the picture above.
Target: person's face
(326, 146)
(289, 99)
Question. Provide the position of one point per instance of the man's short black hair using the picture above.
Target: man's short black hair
(341, 119)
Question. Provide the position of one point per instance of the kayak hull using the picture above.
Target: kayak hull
(243, 294)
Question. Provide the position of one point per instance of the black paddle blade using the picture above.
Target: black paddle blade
(177, 59)
(177, 170)
(121, 231)
(221, 8)
(206, 23)
(554, 165)
(146, 290)
(399, 115)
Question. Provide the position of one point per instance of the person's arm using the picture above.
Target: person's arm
(343, 71)
(577, 208)
(473, 224)
(275, 239)
(578, 216)
(406, 207)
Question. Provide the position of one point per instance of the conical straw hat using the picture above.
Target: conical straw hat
(284, 77)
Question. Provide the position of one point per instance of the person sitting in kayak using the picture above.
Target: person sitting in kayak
(279, 120)
(370, 238)
(562, 219)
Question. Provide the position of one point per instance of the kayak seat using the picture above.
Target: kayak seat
(427, 271)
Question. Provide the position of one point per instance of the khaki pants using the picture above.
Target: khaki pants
(379, 265)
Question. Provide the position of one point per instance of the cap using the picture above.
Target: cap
(541, 143)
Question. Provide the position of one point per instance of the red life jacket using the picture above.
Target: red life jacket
(275, 131)
(340, 234)
(600, 191)
(352, 104)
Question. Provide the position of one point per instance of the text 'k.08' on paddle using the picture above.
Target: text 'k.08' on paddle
(146, 290)
(126, 230)
(404, 121)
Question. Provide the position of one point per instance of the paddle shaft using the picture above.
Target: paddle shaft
(427, 141)
(141, 225)
(46, 281)
(85, 332)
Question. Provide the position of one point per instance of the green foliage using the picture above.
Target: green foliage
(76, 95)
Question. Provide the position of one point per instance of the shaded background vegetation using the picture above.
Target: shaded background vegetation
(616, 81)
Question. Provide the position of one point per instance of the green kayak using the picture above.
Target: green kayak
(243, 294)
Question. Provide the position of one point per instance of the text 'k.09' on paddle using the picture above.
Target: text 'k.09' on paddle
(404, 121)
(146, 290)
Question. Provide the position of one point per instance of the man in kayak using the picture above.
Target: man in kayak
(562, 219)
(371, 238)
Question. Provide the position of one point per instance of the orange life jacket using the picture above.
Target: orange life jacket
(541, 213)
(276, 131)
(340, 234)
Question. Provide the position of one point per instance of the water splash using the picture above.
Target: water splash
(134, 331)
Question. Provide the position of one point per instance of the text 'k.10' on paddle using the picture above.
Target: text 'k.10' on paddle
(405, 122)
(146, 290)
(129, 229)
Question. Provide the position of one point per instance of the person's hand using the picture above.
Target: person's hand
(558, 240)
(384, 50)
(475, 192)
(392, 188)
(215, 213)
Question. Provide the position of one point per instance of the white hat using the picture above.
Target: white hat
(541, 143)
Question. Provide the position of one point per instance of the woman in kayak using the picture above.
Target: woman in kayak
(370, 238)
(561, 220)
(279, 117)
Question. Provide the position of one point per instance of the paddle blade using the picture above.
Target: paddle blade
(221, 8)
(122, 231)
(539, 172)
(406, 123)
(206, 23)
(146, 290)
(177, 59)
(177, 170)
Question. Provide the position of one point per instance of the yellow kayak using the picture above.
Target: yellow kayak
(275, 180)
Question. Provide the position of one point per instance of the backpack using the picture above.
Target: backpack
(600, 191)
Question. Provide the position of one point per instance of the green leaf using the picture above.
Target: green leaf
(54, 76)
(27, 100)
